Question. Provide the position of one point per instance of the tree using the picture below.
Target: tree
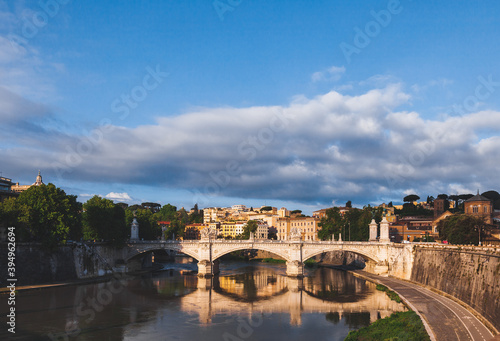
(250, 227)
(266, 208)
(148, 226)
(331, 224)
(166, 213)
(411, 198)
(103, 220)
(348, 204)
(462, 229)
(9, 212)
(48, 215)
(152, 206)
(494, 196)
(443, 196)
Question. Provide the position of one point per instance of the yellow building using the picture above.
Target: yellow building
(231, 228)
(480, 206)
(21, 188)
(307, 226)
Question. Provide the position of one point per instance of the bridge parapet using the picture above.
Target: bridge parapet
(295, 252)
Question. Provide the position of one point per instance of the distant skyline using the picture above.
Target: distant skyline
(293, 104)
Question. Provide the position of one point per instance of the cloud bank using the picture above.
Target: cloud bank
(313, 150)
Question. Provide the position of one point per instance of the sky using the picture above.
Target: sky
(286, 103)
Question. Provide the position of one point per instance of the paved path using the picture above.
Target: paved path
(447, 319)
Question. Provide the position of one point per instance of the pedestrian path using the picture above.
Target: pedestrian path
(444, 318)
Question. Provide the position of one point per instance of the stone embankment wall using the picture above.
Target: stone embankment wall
(471, 274)
(66, 263)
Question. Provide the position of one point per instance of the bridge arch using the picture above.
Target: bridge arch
(152, 248)
(217, 253)
(366, 255)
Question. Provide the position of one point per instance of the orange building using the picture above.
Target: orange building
(481, 207)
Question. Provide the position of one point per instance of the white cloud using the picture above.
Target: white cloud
(313, 149)
(118, 196)
(332, 74)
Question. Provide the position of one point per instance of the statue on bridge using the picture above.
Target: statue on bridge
(134, 230)
(295, 234)
(208, 233)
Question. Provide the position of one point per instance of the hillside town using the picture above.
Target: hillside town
(413, 221)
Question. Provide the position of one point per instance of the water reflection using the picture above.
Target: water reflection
(171, 305)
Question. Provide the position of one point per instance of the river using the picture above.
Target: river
(247, 301)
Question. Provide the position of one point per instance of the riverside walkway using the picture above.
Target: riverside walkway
(444, 318)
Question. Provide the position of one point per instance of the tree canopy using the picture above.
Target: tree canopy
(411, 198)
(250, 227)
(44, 214)
(103, 220)
(461, 229)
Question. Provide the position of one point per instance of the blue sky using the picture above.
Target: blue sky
(285, 103)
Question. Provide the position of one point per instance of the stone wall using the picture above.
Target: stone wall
(36, 266)
(470, 274)
(344, 258)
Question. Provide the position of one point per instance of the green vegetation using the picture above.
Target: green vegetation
(46, 214)
(392, 295)
(399, 326)
(462, 229)
(352, 224)
(103, 220)
(311, 263)
(251, 226)
(272, 260)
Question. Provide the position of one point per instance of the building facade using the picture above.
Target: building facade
(308, 226)
(480, 207)
(21, 188)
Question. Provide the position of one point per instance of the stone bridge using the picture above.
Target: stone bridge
(381, 258)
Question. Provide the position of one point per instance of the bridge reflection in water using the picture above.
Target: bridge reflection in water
(260, 290)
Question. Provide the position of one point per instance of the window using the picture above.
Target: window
(475, 209)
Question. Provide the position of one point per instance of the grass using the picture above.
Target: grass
(399, 326)
(392, 295)
(272, 260)
(311, 263)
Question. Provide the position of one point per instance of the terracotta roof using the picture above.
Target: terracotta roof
(477, 197)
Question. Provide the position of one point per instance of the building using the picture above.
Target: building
(440, 206)
(21, 188)
(262, 230)
(308, 226)
(409, 228)
(239, 208)
(322, 213)
(5, 188)
(388, 212)
(481, 207)
(193, 231)
(231, 229)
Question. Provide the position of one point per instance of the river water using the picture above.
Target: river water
(247, 301)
